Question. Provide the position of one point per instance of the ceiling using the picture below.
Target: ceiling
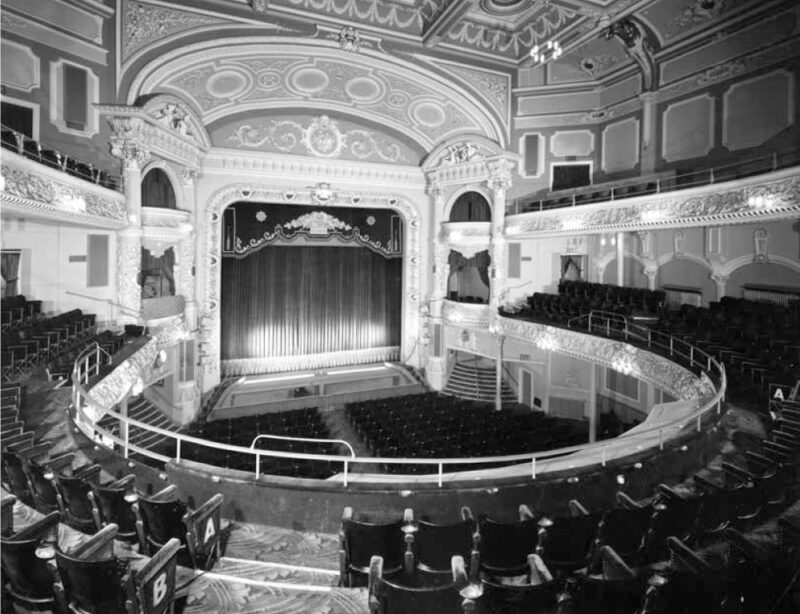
(505, 30)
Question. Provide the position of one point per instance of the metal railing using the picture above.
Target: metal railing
(609, 450)
(43, 154)
(654, 184)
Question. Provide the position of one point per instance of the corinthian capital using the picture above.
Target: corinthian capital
(500, 175)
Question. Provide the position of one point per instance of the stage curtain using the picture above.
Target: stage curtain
(288, 301)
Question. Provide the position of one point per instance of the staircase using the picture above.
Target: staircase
(469, 381)
(143, 410)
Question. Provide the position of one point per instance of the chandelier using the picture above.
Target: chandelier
(551, 50)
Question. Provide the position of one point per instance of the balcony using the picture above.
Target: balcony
(473, 315)
(160, 307)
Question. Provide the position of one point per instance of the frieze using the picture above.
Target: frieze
(322, 138)
(274, 364)
(711, 204)
(466, 314)
(165, 218)
(129, 259)
(36, 189)
(652, 368)
(494, 87)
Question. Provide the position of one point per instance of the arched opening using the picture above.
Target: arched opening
(686, 278)
(471, 207)
(158, 273)
(469, 277)
(632, 273)
(157, 190)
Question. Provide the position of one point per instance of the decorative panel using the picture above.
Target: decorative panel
(688, 128)
(620, 145)
(572, 143)
(20, 66)
(757, 109)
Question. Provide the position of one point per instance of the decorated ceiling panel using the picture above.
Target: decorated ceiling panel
(320, 136)
(232, 79)
(588, 62)
(675, 19)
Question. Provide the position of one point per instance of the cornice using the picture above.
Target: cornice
(33, 190)
(765, 198)
(279, 166)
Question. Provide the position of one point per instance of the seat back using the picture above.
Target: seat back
(436, 544)
(18, 480)
(565, 544)
(392, 598)
(74, 493)
(27, 573)
(113, 507)
(623, 530)
(162, 521)
(93, 585)
(7, 514)
(504, 547)
(153, 586)
(362, 540)
(517, 598)
(45, 496)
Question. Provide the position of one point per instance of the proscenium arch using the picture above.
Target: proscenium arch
(210, 325)
(151, 77)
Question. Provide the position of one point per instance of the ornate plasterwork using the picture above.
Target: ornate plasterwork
(466, 314)
(322, 137)
(129, 261)
(34, 190)
(209, 332)
(113, 387)
(248, 366)
(318, 223)
(157, 217)
(145, 23)
(469, 160)
(652, 368)
(493, 86)
(234, 75)
(711, 204)
(460, 234)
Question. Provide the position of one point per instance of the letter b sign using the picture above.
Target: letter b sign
(159, 589)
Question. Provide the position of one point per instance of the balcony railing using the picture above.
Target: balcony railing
(41, 153)
(654, 184)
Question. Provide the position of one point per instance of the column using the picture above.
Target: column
(620, 259)
(593, 404)
(498, 392)
(722, 283)
(431, 312)
(187, 250)
(647, 156)
(499, 183)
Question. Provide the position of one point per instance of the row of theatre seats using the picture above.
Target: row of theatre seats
(432, 425)
(576, 298)
(98, 575)
(34, 150)
(683, 550)
(759, 342)
(18, 311)
(301, 423)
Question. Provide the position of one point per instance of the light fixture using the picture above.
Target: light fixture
(760, 202)
(551, 50)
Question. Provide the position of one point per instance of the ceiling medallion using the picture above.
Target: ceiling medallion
(323, 138)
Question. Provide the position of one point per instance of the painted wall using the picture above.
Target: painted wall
(53, 266)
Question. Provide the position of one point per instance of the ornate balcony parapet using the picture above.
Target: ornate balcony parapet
(33, 190)
(158, 220)
(160, 307)
(138, 367)
(474, 315)
(775, 196)
(466, 237)
(665, 374)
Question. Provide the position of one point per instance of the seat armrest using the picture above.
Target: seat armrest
(168, 493)
(347, 513)
(705, 485)
(99, 546)
(89, 473)
(614, 568)
(668, 493)
(40, 527)
(56, 463)
(375, 572)
(577, 509)
(408, 516)
(209, 506)
(539, 573)
(466, 514)
(123, 482)
(525, 513)
(39, 449)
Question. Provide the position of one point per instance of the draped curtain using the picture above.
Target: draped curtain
(158, 276)
(288, 301)
(479, 261)
(9, 267)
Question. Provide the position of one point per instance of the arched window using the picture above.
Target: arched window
(471, 207)
(157, 190)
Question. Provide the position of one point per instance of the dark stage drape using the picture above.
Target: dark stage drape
(288, 301)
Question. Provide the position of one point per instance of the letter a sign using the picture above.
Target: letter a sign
(210, 531)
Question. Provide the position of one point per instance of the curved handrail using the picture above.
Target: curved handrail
(626, 446)
(310, 439)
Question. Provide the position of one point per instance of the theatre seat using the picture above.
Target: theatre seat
(113, 503)
(535, 593)
(504, 546)
(565, 542)
(359, 541)
(435, 544)
(614, 589)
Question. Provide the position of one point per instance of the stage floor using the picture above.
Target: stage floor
(324, 388)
